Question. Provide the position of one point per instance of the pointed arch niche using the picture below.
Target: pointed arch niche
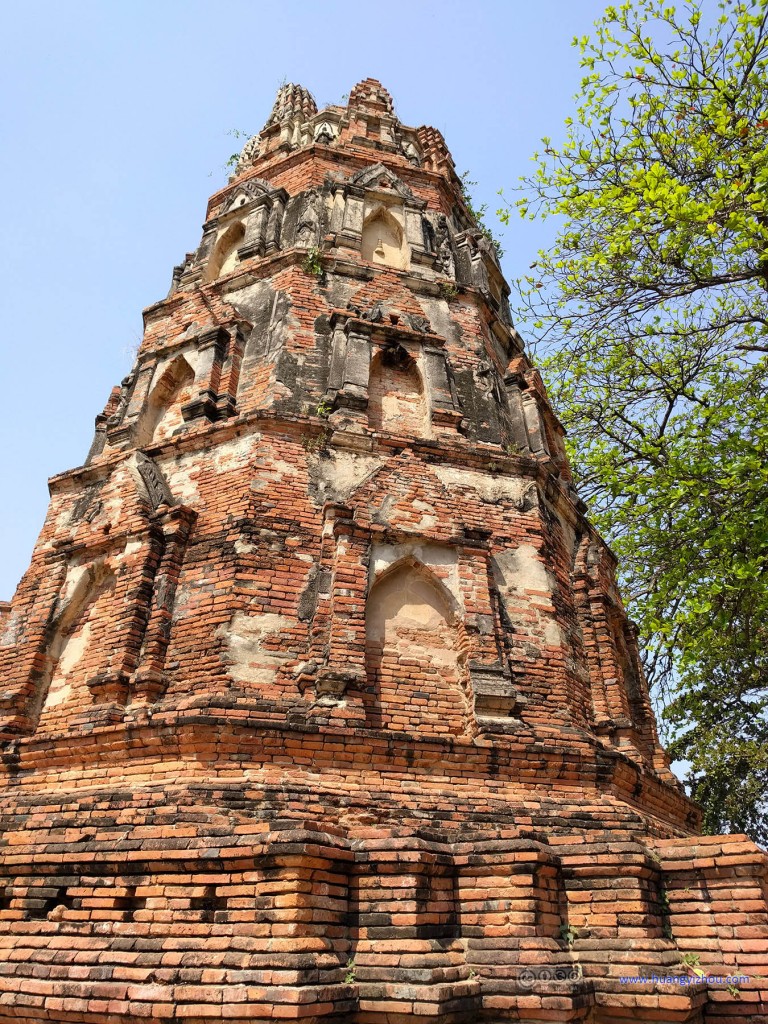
(81, 644)
(413, 660)
(224, 258)
(383, 240)
(397, 401)
(162, 412)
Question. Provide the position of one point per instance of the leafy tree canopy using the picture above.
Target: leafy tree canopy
(651, 315)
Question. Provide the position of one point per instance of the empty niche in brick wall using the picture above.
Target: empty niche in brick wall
(412, 653)
(396, 398)
(224, 258)
(629, 678)
(81, 642)
(383, 240)
(162, 412)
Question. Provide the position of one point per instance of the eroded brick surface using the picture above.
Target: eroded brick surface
(319, 699)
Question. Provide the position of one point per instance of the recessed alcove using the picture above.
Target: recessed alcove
(396, 396)
(162, 412)
(383, 240)
(413, 645)
(224, 258)
(79, 643)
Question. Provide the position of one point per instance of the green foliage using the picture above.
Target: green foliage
(231, 162)
(477, 213)
(568, 935)
(317, 442)
(651, 312)
(313, 262)
(349, 977)
(448, 290)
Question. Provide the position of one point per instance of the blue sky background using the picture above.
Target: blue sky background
(114, 133)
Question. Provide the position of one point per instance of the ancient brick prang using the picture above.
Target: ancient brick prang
(319, 698)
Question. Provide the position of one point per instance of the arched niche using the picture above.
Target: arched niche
(162, 412)
(414, 639)
(629, 680)
(396, 398)
(80, 645)
(383, 240)
(224, 256)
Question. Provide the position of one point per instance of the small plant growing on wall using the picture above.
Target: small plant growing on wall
(317, 442)
(448, 290)
(313, 262)
(477, 213)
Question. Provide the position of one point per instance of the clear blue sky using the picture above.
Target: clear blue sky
(114, 135)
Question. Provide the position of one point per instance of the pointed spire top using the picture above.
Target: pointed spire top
(371, 97)
(291, 103)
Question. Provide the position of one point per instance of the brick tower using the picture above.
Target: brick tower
(319, 700)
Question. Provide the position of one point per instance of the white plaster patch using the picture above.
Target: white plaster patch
(248, 661)
(490, 488)
(235, 453)
(429, 520)
(73, 577)
(132, 547)
(63, 516)
(244, 547)
(112, 510)
(522, 569)
(181, 602)
(125, 480)
(12, 631)
(274, 471)
(518, 571)
(553, 635)
(61, 684)
(180, 480)
(442, 560)
(437, 311)
(278, 469)
(73, 651)
(345, 472)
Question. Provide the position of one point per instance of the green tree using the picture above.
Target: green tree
(651, 318)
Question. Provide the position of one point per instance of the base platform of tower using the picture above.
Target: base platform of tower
(319, 699)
